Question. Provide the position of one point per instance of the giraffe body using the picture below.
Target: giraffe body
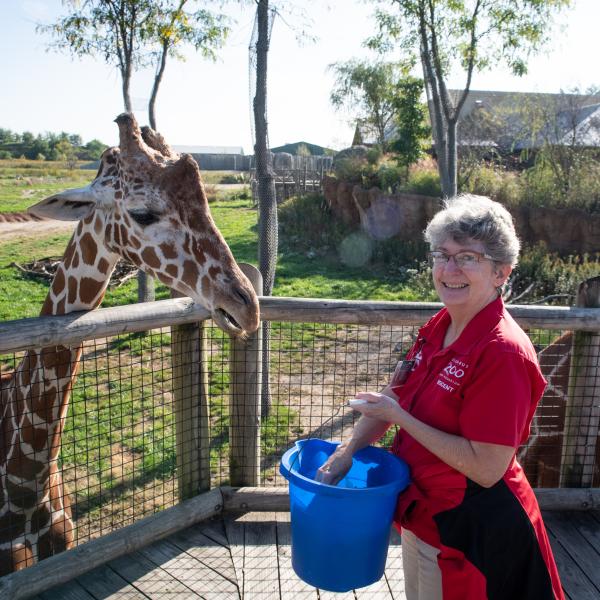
(146, 204)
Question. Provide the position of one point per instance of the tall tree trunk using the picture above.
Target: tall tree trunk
(126, 81)
(157, 81)
(451, 159)
(145, 283)
(436, 114)
(267, 202)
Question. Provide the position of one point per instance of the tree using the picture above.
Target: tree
(172, 27)
(267, 202)
(474, 34)
(39, 146)
(411, 131)
(65, 151)
(368, 89)
(113, 29)
(93, 150)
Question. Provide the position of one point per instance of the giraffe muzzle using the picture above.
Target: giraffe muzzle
(227, 322)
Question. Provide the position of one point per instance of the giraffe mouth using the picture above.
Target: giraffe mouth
(226, 322)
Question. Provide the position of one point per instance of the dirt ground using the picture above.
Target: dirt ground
(15, 225)
(18, 224)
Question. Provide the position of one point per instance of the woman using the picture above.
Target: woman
(463, 400)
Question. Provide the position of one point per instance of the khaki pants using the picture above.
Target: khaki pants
(422, 575)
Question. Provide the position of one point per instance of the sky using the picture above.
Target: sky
(201, 103)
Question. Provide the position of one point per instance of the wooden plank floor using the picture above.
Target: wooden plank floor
(248, 557)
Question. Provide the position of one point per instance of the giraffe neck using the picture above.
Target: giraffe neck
(37, 397)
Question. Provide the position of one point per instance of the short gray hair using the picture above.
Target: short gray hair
(476, 217)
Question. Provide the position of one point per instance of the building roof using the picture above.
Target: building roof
(314, 149)
(209, 149)
(567, 119)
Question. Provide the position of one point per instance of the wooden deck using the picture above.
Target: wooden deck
(247, 557)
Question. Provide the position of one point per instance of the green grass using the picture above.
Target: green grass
(23, 183)
(224, 177)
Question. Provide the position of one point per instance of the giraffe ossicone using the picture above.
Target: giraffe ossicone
(146, 204)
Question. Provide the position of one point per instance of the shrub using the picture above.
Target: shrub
(426, 182)
(231, 178)
(374, 155)
(400, 255)
(419, 280)
(243, 194)
(538, 186)
(496, 183)
(548, 274)
(211, 192)
(324, 232)
(5, 155)
(390, 176)
(355, 169)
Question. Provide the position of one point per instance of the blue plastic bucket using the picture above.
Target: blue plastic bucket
(340, 534)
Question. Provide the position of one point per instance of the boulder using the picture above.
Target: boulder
(405, 216)
(338, 195)
(563, 230)
(402, 216)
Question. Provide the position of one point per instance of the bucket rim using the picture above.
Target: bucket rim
(301, 481)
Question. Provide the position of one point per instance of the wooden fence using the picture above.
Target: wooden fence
(294, 175)
(188, 324)
(191, 396)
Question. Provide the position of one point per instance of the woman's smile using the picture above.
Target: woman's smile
(455, 286)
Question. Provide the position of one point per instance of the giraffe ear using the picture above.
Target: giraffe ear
(70, 205)
(157, 142)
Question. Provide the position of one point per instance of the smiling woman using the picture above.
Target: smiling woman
(463, 400)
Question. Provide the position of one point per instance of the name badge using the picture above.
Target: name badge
(402, 371)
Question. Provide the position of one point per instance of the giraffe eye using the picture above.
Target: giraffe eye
(144, 217)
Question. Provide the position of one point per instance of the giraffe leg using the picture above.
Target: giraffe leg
(15, 559)
(59, 536)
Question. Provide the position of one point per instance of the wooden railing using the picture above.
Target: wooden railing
(191, 392)
(188, 335)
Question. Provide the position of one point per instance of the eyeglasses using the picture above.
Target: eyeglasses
(467, 259)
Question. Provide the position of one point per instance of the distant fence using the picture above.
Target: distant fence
(295, 175)
(166, 406)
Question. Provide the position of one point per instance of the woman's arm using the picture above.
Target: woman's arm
(483, 463)
(366, 431)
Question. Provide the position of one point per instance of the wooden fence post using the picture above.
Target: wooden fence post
(244, 401)
(582, 418)
(190, 393)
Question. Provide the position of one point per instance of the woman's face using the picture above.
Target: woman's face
(470, 286)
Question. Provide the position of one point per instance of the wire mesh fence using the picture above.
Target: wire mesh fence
(123, 442)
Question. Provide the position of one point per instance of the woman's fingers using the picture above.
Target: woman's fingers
(377, 405)
(333, 469)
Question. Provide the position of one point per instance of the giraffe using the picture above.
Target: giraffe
(146, 204)
(541, 455)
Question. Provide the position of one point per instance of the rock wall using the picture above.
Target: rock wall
(566, 231)
(405, 216)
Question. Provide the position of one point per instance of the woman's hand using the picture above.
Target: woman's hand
(335, 467)
(378, 406)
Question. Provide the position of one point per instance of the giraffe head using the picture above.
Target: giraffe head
(148, 205)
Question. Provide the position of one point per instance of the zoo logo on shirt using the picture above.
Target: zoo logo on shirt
(449, 378)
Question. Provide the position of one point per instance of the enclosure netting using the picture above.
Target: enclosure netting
(119, 448)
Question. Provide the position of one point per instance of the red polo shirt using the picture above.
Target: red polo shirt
(484, 387)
